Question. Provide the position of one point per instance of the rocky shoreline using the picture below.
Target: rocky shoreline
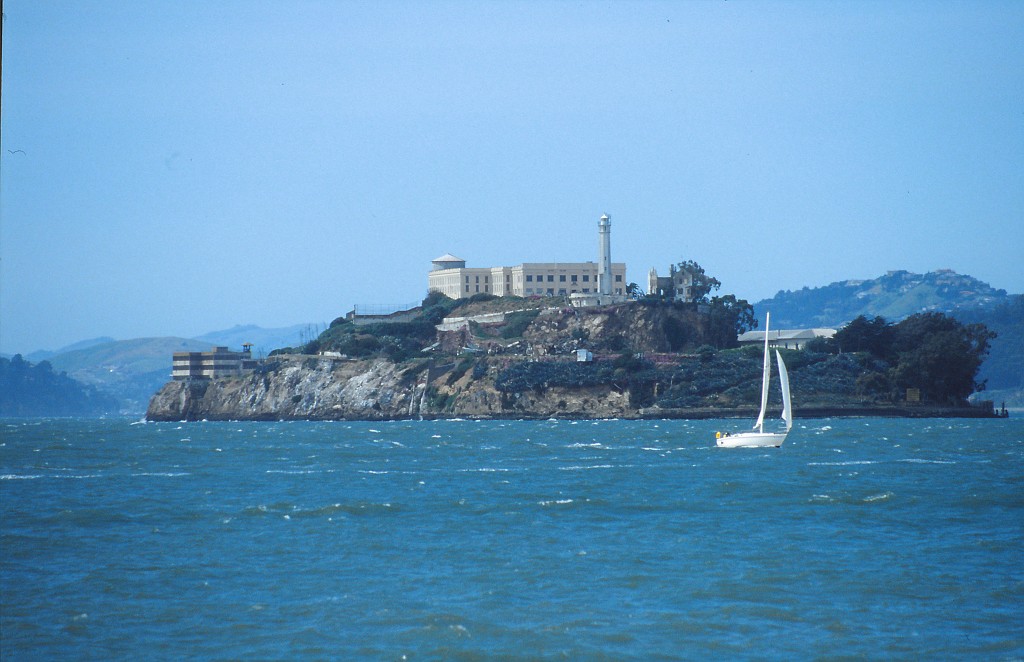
(320, 388)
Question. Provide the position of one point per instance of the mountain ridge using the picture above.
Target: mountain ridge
(894, 296)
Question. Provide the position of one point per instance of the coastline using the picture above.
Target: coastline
(651, 414)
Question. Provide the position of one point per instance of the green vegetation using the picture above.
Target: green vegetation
(727, 316)
(398, 341)
(869, 361)
(36, 390)
(405, 340)
(703, 284)
(878, 362)
(516, 323)
(931, 352)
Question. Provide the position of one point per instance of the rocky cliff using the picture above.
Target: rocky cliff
(316, 388)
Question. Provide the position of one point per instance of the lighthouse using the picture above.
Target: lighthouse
(604, 268)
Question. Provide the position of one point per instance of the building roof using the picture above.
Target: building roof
(447, 257)
(785, 334)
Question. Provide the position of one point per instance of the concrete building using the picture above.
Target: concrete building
(219, 362)
(679, 282)
(527, 279)
(450, 276)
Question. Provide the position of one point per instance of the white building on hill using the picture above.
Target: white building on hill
(527, 279)
(450, 276)
(785, 338)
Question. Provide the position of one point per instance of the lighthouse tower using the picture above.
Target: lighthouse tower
(604, 268)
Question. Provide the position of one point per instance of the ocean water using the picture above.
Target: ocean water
(874, 538)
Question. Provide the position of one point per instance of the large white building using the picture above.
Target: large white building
(450, 276)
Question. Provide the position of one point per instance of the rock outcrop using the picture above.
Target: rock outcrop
(318, 388)
(293, 387)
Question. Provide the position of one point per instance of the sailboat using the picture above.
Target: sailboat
(758, 438)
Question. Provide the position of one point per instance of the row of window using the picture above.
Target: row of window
(551, 278)
(540, 290)
(561, 292)
(561, 278)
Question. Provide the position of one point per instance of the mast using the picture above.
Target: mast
(766, 375)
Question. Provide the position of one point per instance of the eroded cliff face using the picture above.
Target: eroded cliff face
(612, 328)
(316, 388)
(320, 388)
(293, 388)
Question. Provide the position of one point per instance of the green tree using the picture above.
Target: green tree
(940, 356)
(727, 318)
(875, 336)
(703, 284)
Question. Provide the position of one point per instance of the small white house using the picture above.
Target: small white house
(584, 355)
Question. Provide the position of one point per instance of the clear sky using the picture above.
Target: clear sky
(177, 167)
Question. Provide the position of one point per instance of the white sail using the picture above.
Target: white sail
(758, 438)
(787, 403)
(765, 376)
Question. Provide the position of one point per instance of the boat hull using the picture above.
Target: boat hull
(752, 440)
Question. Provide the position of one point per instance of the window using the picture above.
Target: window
(561, 279)
(551, 278)
(574, 278)
(551, 291)
(529, 279)
(618, 278)
(561, 292)
(586, 279)
(467, 287)
(467, 280)
(586, 290)
(478, 280)
(487, 279)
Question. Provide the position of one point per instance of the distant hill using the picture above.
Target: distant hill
(263, 340)
(894, 296)
(1004, 367)
(42, 355)
(133, 370)
(28, 389)
(130, 370)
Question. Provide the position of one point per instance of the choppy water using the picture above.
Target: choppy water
(454, 539)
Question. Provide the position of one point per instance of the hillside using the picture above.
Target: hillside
(1003, 370)
(130, 370)
(894, 296)
(28, 389)
(43, 355)
(263, 340)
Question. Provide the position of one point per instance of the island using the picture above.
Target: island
(643, 356)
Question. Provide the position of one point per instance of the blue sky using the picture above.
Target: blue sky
(172, 168)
